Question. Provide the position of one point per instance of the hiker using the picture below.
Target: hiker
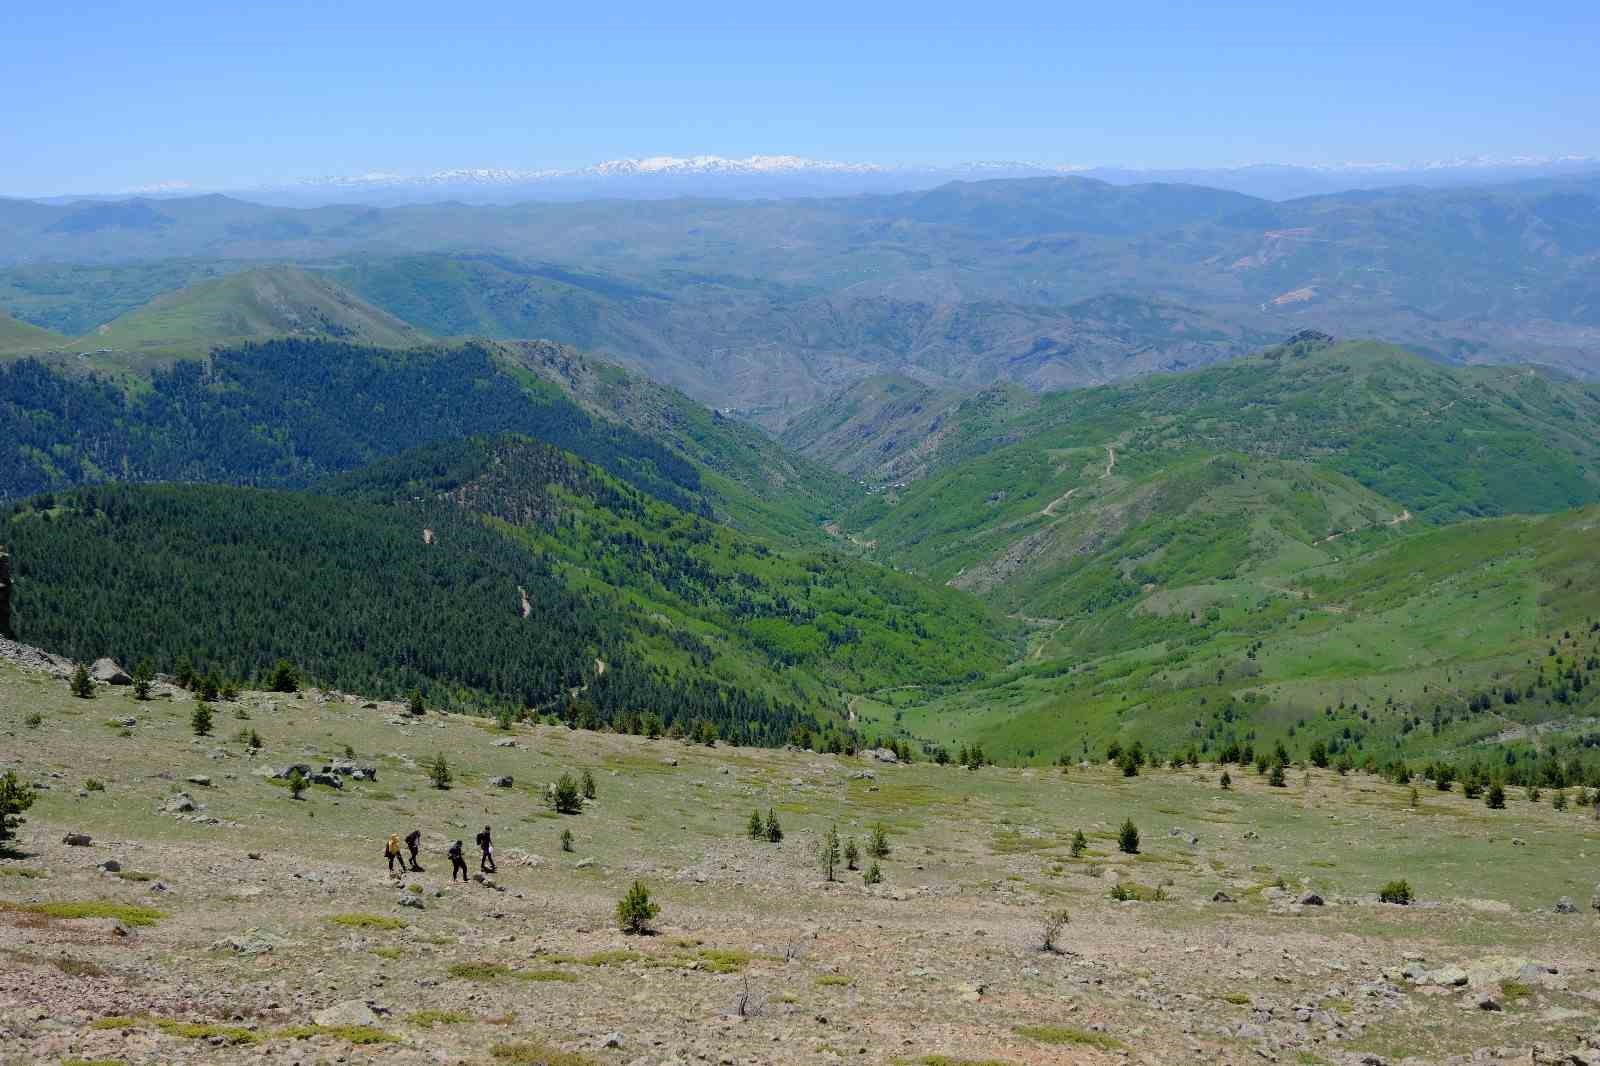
(413, 842)
(485, 845)
(457, 862)
(391, 851)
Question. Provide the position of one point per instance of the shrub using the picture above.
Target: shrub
(774, 830)
(1495, 800)
(94, 785)
(873, 876)
(1276, 778)
(1066, 1034)
(566, 798)
(852, 854)
(1414, 798)
(1050, 928)
(1125, 891)
(1226, 781)
(1128, 838)
(1558, 799)
(82, 684)
(1398, 892)
(284, 678)
(34, 720)
(297, 783)
(566, 840)
(1080, 844)
(252, 740)
(15, 797)
(200, 720)
(1319, 755)
(756, 829)
(504, 719)
(414, 702)
(588, 785)
(878, 842)
(439, 772)
(635, 911)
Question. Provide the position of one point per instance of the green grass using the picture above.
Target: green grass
(231, 1034)
(126, 913)
(1066, 1034)
(367, 921)
(531, 1053)
(352, 1034)
(834, 980)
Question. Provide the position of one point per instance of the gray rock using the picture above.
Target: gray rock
(1221, 897)
(1564, 905)
(1488, 1002)
(77, 840)
(200, 779)
(409, 900)
(883, 755)
(1311, 899)
(350, 1012)
(1448, 977)
(288, 771)
(612, 1040)
(1183, 835)
(505, 742)
(107, 672)
(669, 761)
(503, 781)
(111, 866)
(331, 780)
(160, 887)
(584, 864)
(182, 803)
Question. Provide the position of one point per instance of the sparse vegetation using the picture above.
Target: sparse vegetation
(635, 911)
(1398, 892)
(439, 772)
(1128, 838)
(565, 797)
(82, 684)
(1051, 927)
(828, 852)
(1066, 1034)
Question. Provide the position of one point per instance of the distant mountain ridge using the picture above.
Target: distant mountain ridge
(650, 177)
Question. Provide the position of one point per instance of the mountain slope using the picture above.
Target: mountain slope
(254, 305)
(488, 572)
(17, 336)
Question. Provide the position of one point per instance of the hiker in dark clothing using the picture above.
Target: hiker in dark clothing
(485, 845)
(391, 851)
(458, 862)
(413, 842)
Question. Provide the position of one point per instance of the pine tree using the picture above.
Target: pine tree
(774, 830)
(1080, 844)
(144, 676)
(15, 797)
(566, 798)
(757, 829)
(82, 684)
(635, 911)
(200, 720)
(878, 842)
(297, 783)
(873, 876)
(1496, 798)
(1128, 838)
(852, 854)
(566, 840)
(588, 785)
(828, 852)
(439, 772)
(414, 702)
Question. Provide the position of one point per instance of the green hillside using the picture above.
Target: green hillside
(18, 337)
(253, 305)
(1459, 643)
(487, 573)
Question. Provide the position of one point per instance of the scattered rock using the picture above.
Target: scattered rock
(182, 803)
(1488, 1002)
(503, 781)
(200, 779)
(256, 855)
(331, 780)
(411, 901)
(1564, 905)
(883, 755)
(160, 887)
(111, 866)
(584, 864)
(1221, 897)
(1448, 977)
(612, 1040)
(77, 840)
(1311, 899)
(107, 672)
(505, 742)
(1183, 835)
(669, 761)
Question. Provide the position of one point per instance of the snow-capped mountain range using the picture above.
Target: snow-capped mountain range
(776, 176)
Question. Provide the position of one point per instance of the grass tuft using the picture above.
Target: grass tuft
(125, 913)
(367, 921)
(1067, 1034)
(532, 1053)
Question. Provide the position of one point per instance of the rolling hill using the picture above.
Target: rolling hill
(253, 305)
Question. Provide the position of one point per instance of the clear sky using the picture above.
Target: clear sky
(98, 96)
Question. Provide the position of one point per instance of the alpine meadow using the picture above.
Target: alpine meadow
(936, 595)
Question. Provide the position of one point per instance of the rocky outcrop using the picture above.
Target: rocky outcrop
(107, 672)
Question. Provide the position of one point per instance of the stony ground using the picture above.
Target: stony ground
(273, 933)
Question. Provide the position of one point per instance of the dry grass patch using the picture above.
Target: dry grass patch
(352, 1034)
(367, 921)
(1067, 1034)
(533, 1053)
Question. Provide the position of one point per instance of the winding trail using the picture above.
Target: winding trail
(1111, 464)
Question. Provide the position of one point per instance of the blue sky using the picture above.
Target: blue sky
(110, 96)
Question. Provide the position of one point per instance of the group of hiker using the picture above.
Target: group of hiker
(458, 863)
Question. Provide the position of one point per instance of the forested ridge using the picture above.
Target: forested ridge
(534, 565)
(287, 412)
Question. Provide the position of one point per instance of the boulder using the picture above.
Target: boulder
(411, 901)
(182, 803)
(1183, 835)
(77, 840)
(503, 781)
(107, 672)
(883, 755)
(288, 771)
(1221, 897)
(350, 1012)
(505, 742)
(111, 866)
(1564, 905)
(1448, 977)
(200, 779)
(331, 780)
(1311, 899)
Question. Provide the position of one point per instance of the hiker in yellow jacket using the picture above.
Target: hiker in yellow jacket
(391, 851)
